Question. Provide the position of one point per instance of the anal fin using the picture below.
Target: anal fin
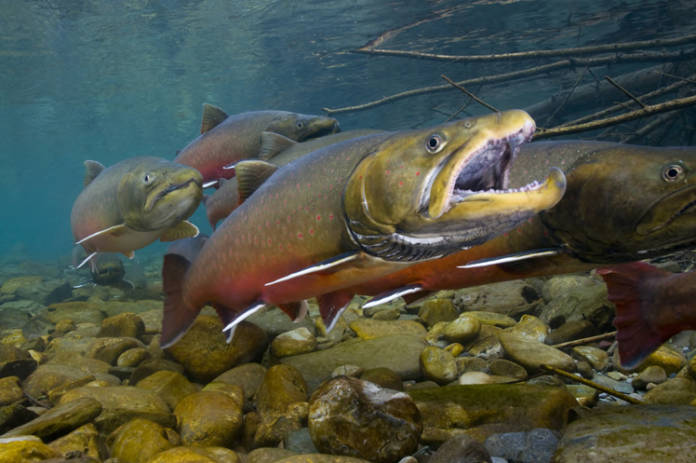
(295, 310)
(388, 296)
(331, 306)
(231, 320)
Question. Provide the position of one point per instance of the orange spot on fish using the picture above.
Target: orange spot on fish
(401, 183)
(318, 217)
(331, 216)
(300, 235)
(387, 171)
(417, 173)
(311, 231)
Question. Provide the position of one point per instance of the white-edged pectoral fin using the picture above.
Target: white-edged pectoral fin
(115, 230)
(328, 264)
(514, 257)
(391, 295)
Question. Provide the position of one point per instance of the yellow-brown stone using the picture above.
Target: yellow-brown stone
(368, 328)
(138, 440)
(209, 418)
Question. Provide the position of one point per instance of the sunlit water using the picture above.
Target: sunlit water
(108, 80)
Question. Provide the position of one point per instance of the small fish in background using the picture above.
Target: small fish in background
(225, 140)
(652, 305)
(349, 212)
(133, 203)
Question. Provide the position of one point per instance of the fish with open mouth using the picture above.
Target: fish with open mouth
(349, 212)
(622, 203)
(225, 140)
(133, 203)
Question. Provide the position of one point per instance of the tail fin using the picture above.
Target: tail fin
(638, 337)
(178, 314)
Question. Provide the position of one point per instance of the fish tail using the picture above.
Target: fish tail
(627, 288)
(178, 314)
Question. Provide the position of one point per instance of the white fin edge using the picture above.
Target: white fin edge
(327, 264)
(210, 184)
(232, 326)
(98, 233)
(378, 300)
(86, 259)
(516, 257)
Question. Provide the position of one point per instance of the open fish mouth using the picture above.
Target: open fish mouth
(482, 173)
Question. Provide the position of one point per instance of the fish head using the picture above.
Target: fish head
(157, 194)
(628, 202)
(108, 269)
(425, 193)
(302, 126)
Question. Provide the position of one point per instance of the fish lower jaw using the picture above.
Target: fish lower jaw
(463, 195)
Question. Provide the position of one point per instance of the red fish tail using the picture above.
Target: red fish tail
(178, 314)
(627, 288)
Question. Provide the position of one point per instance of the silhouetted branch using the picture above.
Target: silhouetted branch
(370, 48)
(589, 62)
(647, 111)
(471, 95)
(624, 91)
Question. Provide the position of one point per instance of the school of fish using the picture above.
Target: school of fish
(303, 210)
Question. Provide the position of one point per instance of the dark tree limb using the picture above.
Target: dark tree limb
(647, 111)
(528, 72)
(624, 91)
(370, 48)
(469, 94)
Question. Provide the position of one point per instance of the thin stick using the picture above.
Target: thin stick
(624, 91)
(691, 79)
(611, 47)
(599, 387)
(471, 95)
(528, 72)
(625, 105)
(629, 116)
(647, 128)
(589, 339)
(565, 100)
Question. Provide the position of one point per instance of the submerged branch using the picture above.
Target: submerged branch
(468, 93)
(647, 111)
(589, 62)
(579, 342)
(370, 48)
(599, 387)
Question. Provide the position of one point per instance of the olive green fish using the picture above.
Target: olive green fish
(225, 140)
(133, 203)
(351, 211)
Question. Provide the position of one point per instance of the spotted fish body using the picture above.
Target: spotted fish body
(623, 203)
(225, 140)
(303, 217)
(226, 198)
(133, 203)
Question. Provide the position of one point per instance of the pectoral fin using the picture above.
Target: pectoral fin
(331, 265)
(514, 257)
(391, 295)
(212, 116)
(250, 175)
(181, 230)
(92, 169)
(273, 143)
(114, 230)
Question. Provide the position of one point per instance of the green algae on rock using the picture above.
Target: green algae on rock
(209, 418)
(628, 434)
(449, 409)
(59, 420)
(348, 416)
(138, 440)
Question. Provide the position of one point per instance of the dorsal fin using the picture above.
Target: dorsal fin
(212, 116)
(273, 143)
(250, 175)
(92, 169)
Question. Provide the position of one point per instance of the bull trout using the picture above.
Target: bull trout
(622, 203)
(133, 203)
(351, 211)
(226, 198)
(652, 305)
(225, 140)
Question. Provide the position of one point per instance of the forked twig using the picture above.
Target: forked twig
(599, 387)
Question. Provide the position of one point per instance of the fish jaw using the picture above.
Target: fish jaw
(300, 127)
(425, 194)
(171, 196)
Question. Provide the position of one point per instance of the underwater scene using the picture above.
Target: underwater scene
(348, 231)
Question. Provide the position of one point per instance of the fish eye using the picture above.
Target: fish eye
(673, 172)
(299, 125)
(468, 124)
(434, 143)
(147, 178)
